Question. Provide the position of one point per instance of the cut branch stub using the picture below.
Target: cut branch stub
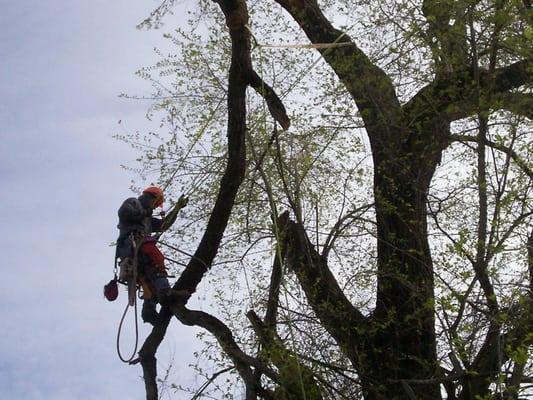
(275, 106)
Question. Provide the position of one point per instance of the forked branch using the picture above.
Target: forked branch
(240, 70)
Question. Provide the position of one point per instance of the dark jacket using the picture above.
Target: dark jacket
(134, 215)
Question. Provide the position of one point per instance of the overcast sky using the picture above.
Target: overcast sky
(63, 63)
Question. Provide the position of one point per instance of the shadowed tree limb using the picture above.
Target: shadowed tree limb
(405, 157)
(456, 96)
(275, 283)
(369, 86)
(273, 294)
(295, 378)
(243, 362)
(275, 106)
(236, 15)
(236, 18)
(323, 293)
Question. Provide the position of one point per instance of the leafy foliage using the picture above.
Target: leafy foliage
(323, 170)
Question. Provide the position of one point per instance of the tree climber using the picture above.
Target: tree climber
(136, 223)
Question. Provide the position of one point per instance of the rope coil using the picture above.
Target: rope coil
(124, 360)
(132, 301)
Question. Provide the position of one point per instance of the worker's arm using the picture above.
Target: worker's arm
(173, 214)
(157, 224)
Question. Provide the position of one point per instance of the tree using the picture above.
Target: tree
(439, 238)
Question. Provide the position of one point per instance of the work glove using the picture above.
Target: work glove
(173, 214)
(182, 201)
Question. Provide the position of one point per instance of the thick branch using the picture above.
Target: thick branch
(240, 75)
(147, 354)
(368, 85)
(457, 95)
(275, 106)
(275, 282)
(297, 380)
(336, 313)
(222, 333)
(237, 17)
(512, 76)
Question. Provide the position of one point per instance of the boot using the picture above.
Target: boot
(149, 313)
(168, 296)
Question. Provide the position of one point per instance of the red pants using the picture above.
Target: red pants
(153, 259)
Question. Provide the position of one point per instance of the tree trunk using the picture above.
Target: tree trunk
(402, 344)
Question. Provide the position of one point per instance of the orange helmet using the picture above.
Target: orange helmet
(157, 193)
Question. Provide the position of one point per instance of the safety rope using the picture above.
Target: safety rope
(269, 191)
(184, 252)
(124, 360)
(197, 138)
(132, 289)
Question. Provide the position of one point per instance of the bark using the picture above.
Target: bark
(456, 96)
(296, 380)
(236, 17)
(394, 349)
(398, 342)
(241, 75)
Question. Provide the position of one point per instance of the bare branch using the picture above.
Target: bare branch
(222, 333)
(237, 18)
(516, 158)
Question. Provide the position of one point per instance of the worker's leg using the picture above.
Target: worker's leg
(149, 313)
(156, 273)
(154, 269)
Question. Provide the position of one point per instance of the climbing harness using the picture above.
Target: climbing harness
(128, 274)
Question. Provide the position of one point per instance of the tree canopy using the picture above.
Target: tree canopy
(364, 219)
